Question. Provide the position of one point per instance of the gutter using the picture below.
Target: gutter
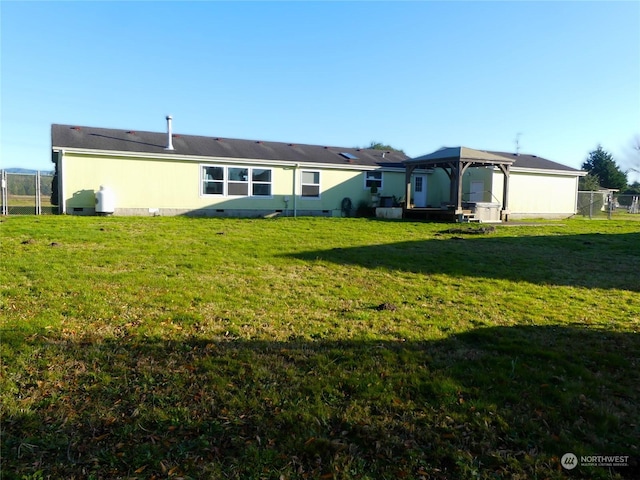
(224, 160)
(569, 173)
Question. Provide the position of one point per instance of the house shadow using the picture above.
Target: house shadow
(501, 402)
(583, 260)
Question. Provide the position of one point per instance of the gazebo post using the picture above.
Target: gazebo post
(461, 168)
(408, 172)
(450, 171)
(459, 190)
(504, 215)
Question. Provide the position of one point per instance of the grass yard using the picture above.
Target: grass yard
(316, 348)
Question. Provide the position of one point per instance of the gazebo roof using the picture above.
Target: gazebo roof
(447, 155)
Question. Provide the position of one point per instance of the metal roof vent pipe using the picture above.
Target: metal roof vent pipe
(169, 135)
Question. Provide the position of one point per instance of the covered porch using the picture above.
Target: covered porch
(454, 162)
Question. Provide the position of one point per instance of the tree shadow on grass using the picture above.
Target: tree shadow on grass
(503, 402)
(586, 260)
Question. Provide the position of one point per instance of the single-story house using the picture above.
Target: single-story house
(128, 172)
(151, 173)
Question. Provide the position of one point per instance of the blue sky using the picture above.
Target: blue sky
(416, 75)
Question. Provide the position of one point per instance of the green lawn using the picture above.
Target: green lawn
(316, 348)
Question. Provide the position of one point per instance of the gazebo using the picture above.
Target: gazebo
(455, 161)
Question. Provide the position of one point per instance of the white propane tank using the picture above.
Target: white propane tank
(105, 201)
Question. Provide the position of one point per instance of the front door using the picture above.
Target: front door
(420, 191)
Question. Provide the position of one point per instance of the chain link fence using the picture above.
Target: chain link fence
(26, 193)
(609, 205)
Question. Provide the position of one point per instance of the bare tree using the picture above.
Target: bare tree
(633, 161)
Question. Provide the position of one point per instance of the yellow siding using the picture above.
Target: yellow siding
(135, 183)
(174, 186)
(478, 174)
(533, 194)
(146, 183)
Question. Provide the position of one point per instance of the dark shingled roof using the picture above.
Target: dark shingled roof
(68, 136)
(532, 161)
(519, 161)
(444, 155)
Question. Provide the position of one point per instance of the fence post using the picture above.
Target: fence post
(38, 199)
(5, 207)
(591, 206)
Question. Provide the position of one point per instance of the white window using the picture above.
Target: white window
(419, 181)
(213, 181)
(261, 182)
(310, 184)
(236, 181)
(373, 179)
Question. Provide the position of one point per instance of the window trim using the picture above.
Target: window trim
(225, 181)
(246, 182)
(319, 184)
(366, 179)
(253, 182)
(203, 179)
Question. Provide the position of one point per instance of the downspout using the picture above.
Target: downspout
(575, 203)
(295, 175)
(62, 199)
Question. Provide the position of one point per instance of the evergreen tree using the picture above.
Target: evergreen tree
(588, 183)
(602, 165)
(633, 189)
